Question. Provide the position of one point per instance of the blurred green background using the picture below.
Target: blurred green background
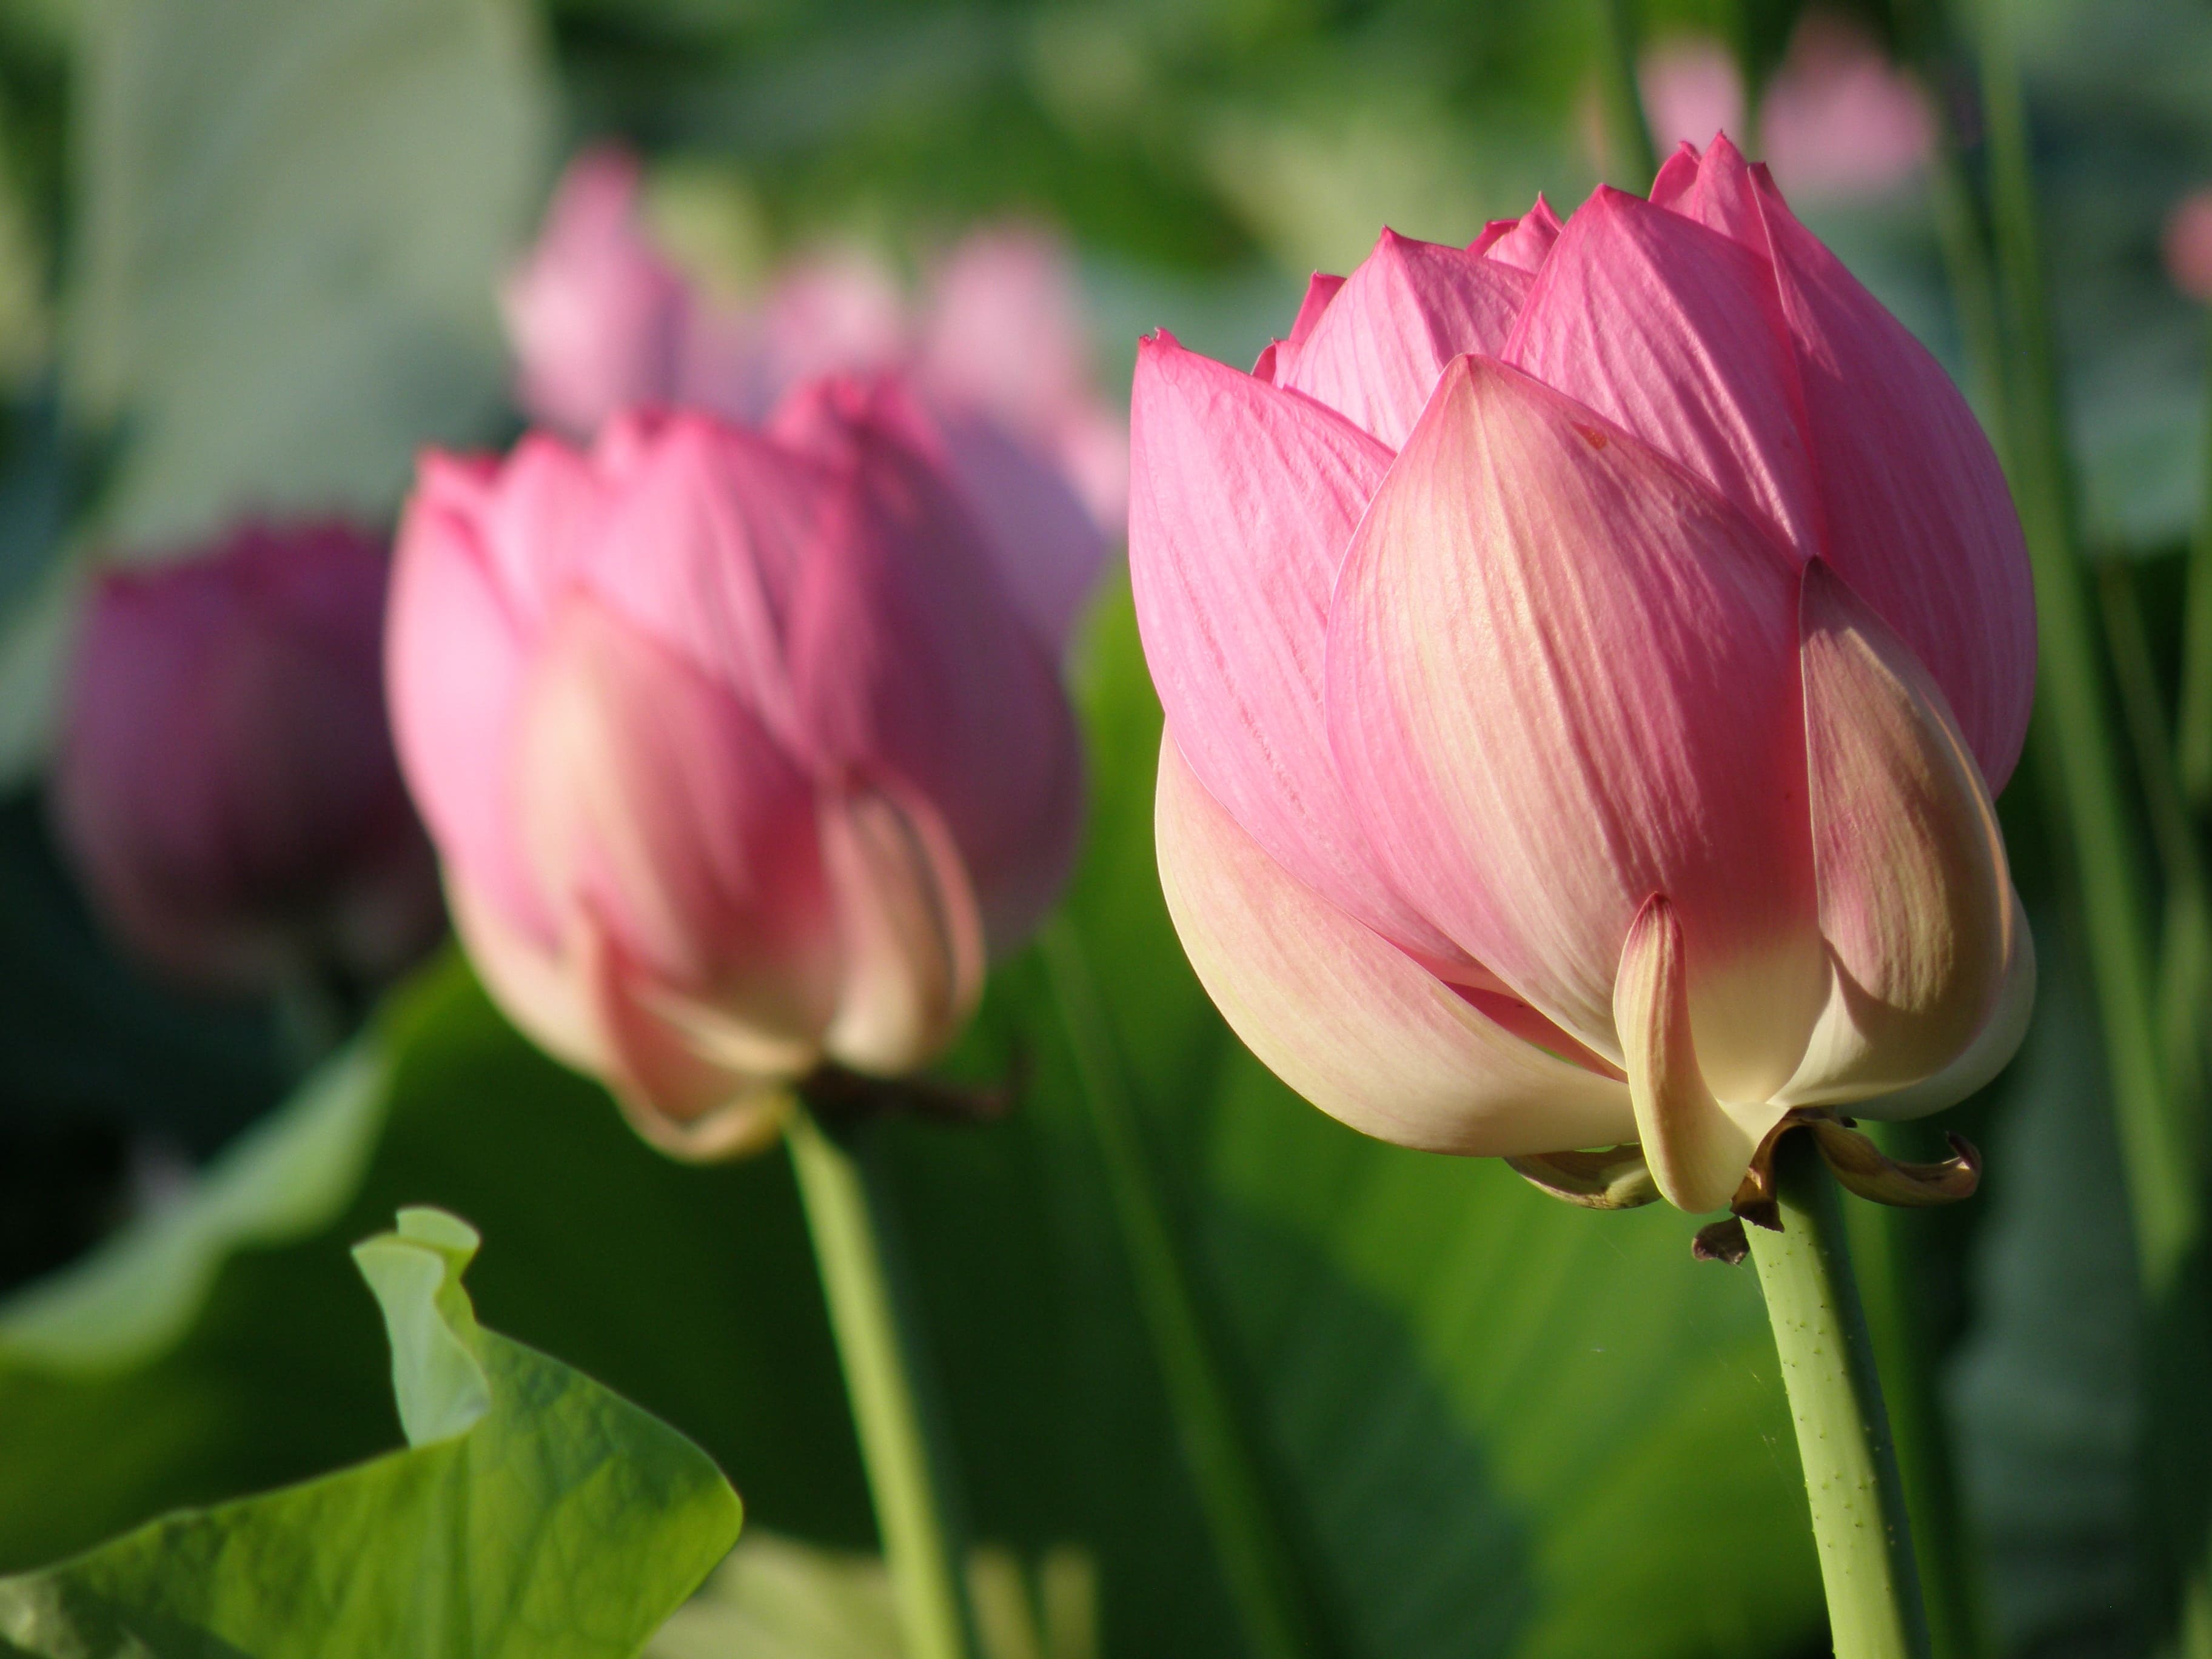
(248, 259)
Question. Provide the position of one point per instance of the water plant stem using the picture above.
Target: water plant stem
(2155, 1139)
(1632, 160)
(922, 1547)
(2195, 740)
(1255, 1558)
(1860, 1526)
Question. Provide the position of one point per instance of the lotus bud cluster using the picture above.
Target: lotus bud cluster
(1588, 656)
(225, 785)
(738, 746)
(602, 320)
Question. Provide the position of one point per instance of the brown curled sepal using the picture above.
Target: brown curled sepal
(841, 1099)
(1615, 1178)
(1863, 1168)
(1721, 1241)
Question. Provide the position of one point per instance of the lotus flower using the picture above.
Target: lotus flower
(1588, 658)
(225, 785)
(601, 321)
(737, 747)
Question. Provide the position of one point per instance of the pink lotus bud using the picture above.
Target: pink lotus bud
(1838, 119)
(225, 785)
(736, 749)
(1587, 660)
(600, 318)
(2187, 245)
(1691, 90)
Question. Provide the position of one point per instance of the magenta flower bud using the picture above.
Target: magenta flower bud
(738, 751)
(225, 786)
(1587, 660)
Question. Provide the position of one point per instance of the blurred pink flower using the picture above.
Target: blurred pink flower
(736, 749)
(1839, 119)
(1588, 658)
(599, 324)
(225, 786)
(598, 319)
(1691, 90)
(2187, 245)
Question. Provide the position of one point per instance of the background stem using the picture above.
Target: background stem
(1632, 159)
(2194, 741)
(921, 1547)
(1857, 1498)
(1279, 1621)
(2154, 1140)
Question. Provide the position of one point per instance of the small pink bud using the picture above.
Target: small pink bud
(1588, 658)
(1838, 119)
(737, 750)
(2187, 245)
(601, 321)
(226, 785)
(1692, 89)
(600, 318)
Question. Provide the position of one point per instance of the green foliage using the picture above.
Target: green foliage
(1494, 1425)
(533, 1514)
(288, 224)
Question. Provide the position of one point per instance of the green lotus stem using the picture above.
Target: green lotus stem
(922, 1547)
(2156, 1138)
(1256, 1561)
(2185, 964)
(1860, 1526)
(1882, 1248)
(1628, 131)
(2194, 743)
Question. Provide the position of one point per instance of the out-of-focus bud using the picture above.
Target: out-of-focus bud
(599, 318)
(1838, 119)
(2187, 245)
(1588, 658)
(997, 354)
(225, 784)
(1692, 89)
(738, 751)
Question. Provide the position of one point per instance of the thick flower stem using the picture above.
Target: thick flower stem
(922, 1546)
(1255, 1559)
(1859, 1521)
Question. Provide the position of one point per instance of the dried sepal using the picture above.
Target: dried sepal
(1613, 1178)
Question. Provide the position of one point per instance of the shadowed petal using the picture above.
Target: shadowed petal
(1993, 1046)
(1349, 1020)
(911, 941)
(1915, 899)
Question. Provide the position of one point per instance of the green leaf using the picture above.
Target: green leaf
(534, 1514)
(291, 221)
